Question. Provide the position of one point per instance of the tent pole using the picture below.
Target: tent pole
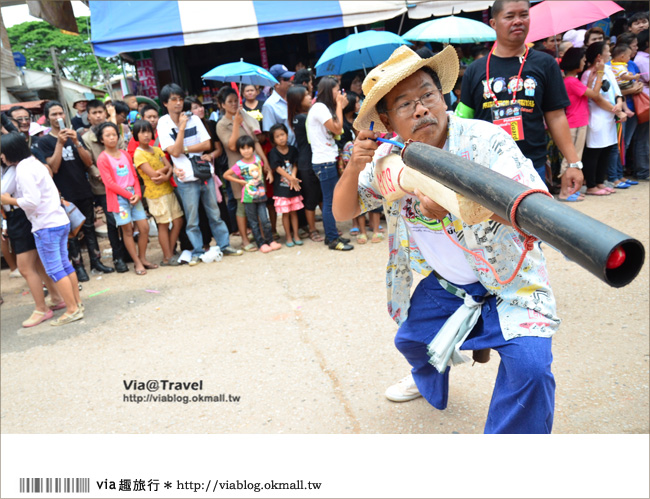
(401, 22)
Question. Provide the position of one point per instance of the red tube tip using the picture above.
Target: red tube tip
(616, 258)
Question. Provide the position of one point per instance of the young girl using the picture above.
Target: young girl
(286, 188)
(156, 171)
(248, 173)
(251, 105)
(123, 195)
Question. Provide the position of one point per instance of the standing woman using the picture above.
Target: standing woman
(298, 104)
(600, 155)
(324, 123)
(39, 198)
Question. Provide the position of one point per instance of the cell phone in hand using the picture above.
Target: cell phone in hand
(61, 123)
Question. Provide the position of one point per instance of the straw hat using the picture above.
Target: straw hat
(401, 64)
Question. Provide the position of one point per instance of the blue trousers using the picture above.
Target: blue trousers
(523, 399)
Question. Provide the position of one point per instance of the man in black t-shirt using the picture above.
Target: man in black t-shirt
(534, 80)
(69, 160)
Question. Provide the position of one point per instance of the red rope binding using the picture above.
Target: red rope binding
(529, 240)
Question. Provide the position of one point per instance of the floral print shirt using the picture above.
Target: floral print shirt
(526, 305)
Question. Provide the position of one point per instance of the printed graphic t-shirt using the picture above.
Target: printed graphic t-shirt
(286, 162)
(71, 179)
(253, 191)
(540, 90)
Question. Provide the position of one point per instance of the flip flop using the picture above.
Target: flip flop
(630, 182)
(354, 231)
(150, 266)
(573, 198)
(316, 237)
(601, 192)
(141, 272)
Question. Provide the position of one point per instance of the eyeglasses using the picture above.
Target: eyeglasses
(407, 108)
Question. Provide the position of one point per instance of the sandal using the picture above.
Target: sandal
(362, 239)
(140, 272)
(37, 317)
(54, 306)
(67, 319)
(250, 247)
(354, 231)
(377, 238)
(316, 237)
(150, 266)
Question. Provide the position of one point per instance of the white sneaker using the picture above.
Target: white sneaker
(403, 391)
(15, 273)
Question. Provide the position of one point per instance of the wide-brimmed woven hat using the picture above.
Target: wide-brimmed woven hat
(401, 64)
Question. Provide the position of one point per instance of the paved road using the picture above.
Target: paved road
(302, 337)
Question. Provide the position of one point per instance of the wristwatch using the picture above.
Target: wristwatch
(186, 151)
(577, 165)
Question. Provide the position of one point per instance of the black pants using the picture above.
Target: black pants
(87, 207)
(113, 233)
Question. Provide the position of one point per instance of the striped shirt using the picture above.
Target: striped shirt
(195, 133)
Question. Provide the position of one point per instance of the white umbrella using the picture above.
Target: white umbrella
(451, 29)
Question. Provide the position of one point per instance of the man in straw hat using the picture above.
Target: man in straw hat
(404, 95)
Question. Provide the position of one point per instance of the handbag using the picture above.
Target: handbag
(641, 105)
(77, 219)
(201, 168)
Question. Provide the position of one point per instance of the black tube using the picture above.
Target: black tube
(586, 241)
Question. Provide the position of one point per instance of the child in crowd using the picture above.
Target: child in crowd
(156, 171)
(286, 188)
(134, 114)
(249, 174)
(123, 195)
(251, 105)
(621, 54)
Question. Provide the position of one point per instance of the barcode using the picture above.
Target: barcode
(54, 485)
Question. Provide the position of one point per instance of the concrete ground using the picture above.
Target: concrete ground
(302, 336)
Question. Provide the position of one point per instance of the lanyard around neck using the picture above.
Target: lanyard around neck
(487, 76)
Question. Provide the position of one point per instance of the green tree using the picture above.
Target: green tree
(75, 55)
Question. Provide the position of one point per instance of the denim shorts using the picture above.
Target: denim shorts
(129, 213)
(52, 247)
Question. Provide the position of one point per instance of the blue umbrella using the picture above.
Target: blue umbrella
(241, 72)
(451, 29)
(358, 51)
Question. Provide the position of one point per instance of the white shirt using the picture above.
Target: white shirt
(323, 145)
(601, 131)
(195, 133)
(9, 185)
(40, 198)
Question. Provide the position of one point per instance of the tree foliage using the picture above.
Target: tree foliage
(74, 54)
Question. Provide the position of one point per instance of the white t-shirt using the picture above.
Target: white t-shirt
(438, 250)
(323, 145)
(195, 133)
(601, 131)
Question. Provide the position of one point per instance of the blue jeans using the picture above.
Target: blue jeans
(261, 229)
(52, 247)
(523, 399)
(191, 194)
(328, 177)
(641, 150)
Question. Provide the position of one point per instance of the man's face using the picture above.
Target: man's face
(96, 116)
(54, 114)
(174, 104)
(21, 120)
(80, 106)
(283, 86)
(424, 124)
(512, 23)
(552, 42)
(152, 117)
(638, 26)
(594, 37)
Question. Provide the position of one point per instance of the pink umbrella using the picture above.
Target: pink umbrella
(552, 17)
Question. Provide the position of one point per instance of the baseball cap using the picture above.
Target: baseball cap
(280, 71)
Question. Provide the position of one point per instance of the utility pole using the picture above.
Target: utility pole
(59, 86)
